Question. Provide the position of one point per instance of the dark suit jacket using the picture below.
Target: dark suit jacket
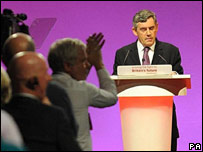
(168, 51)
(59, 97)
(44, 128)
(169, 55)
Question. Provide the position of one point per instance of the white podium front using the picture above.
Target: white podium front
(146, 104)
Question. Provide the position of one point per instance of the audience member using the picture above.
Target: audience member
(70, 64)
(9, 130)
(43, 127)
(15, 43)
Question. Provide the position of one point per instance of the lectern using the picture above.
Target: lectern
(146, 104)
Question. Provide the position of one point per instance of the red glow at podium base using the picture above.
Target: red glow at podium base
(146, 123)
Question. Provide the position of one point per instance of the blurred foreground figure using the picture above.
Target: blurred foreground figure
(71, 60)
(43, 127)
(10, 134)
(18, 42)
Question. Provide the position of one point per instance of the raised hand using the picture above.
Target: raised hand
(94, 45)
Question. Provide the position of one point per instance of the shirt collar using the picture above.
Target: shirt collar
(141, 47)
(66, 75)
(26, 95)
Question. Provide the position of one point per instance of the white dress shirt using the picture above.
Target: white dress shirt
(140, 48)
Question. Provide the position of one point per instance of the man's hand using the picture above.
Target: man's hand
(173, 73)
(94, 45)
(46, 101)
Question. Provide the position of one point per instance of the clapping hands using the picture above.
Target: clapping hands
(94, 44)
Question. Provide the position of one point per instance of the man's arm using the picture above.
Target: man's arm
(116, 63)
(106, 95)
(176, 65)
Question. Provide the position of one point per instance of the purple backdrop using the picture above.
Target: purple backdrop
(180, 23)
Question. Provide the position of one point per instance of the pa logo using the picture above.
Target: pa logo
(194, 146)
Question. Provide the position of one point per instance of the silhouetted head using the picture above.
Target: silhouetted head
(17, 42)
(29, 74)
(69, 55)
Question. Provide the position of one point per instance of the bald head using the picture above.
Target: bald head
(17, 42)
(25, 65)
(28, 73)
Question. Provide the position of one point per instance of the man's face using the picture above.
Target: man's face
(80, 70)
(146, 32)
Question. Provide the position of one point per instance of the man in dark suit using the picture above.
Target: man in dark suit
(43, 127)
(59, 97)
(145, 27)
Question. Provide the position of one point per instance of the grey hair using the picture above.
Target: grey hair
(142, 16)
(64, 51)
(6, 89)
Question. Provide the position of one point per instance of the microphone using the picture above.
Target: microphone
(163, 59)
(126, 57)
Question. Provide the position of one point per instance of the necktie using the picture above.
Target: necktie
(145, 60)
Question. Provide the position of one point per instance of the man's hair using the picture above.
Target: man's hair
(64, 51)
(142, 16)
(5, 87)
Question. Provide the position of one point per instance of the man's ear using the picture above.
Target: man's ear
(134, 31)
(32, 83)
(157, 27)
(67, 67)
